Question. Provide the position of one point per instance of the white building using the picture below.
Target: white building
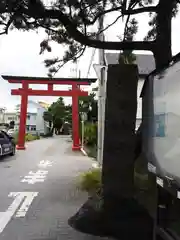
(35, 123)
(146, 64)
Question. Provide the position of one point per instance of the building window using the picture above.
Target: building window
(28, 117)
(10, 118)
(27, 127)
(33, 128)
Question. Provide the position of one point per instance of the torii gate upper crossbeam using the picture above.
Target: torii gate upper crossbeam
(25, 91)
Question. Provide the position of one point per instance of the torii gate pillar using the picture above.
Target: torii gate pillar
(75, 119)
(25, 91)
(22, 123)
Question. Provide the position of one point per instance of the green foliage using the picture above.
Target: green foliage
(56, 114)
(90, 181)
(37, 137)
(152, 33)
(90, 134)
(57, 109)
(69, 23)
(131, 28)
(91, 151)
(12, 15)
(29, 137)
(89, 106)
(68, 114)
(127, 57)
(57, 122)
(47, 115)
(85, 102)
(85, 14)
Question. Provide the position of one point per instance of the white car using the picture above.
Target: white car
(11, 132)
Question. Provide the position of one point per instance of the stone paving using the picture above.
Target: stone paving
(57, 199)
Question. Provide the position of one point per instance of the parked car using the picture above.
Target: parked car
(11, 132)
(7, 144)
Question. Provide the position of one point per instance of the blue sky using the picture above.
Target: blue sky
(20, 56)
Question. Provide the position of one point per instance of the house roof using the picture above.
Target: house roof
(44, 104)
(145, 62)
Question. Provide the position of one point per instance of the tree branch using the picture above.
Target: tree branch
(10, 22)
(72, 30)
(140, 10)
(125, 28)
(128, 18)
(126, 12)
(2, 33)
(62, 62)
(110, 25)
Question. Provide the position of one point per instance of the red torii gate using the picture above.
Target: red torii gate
(25, 91)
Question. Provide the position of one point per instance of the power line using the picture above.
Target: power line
(90, 64)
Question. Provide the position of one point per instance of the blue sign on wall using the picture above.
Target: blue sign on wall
(160, 125)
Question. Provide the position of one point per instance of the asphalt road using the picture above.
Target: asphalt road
(38, 193)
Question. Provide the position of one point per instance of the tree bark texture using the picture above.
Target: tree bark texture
(162, 52)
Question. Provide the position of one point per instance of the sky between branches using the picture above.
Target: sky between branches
(20, 56)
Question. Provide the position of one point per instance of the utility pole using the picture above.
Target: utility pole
(101, 96)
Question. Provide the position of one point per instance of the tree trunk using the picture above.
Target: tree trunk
(123, 217)
(120, 118)
(162, 52)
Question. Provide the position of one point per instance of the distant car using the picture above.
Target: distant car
(11, 132)
(7, 144)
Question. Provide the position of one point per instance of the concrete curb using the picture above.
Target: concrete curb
(84, 152)
(94, 163)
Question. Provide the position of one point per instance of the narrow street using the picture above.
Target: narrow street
(38, 193)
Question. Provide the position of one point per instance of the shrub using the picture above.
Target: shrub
(90, 134)
(37, 137)
(28, 137)
(91, 151)
(90, 181)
